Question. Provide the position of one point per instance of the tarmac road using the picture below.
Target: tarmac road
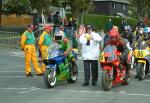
(15, 87)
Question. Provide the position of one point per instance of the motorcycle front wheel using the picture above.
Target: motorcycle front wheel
(106, 80)
(140, 71)
(50, 78)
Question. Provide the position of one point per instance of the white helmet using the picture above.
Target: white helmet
(59, 35)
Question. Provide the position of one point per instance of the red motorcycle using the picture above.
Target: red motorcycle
(113, 69)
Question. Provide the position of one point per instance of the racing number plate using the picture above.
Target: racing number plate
(140, 54)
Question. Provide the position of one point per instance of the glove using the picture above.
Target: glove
(65, 53)
(88, 37)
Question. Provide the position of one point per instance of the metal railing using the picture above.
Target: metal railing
(10, 38)
(69, 31)
(13, 38)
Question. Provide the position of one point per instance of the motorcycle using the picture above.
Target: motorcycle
(113, 69)
(58, 66)
(142, 59)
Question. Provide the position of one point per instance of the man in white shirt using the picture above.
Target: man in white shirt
(90, 54)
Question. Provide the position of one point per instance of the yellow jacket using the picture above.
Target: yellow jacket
(45, 39)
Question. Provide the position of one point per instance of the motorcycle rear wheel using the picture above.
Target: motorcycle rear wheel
(127, 79)
(73, 75)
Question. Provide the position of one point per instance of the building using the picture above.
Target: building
(111, 7)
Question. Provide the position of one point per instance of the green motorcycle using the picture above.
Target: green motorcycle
(58, 66)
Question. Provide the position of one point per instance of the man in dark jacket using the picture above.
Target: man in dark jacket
(141, 24)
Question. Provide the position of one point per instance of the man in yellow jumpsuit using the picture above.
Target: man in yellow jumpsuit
(28, 46)
(44, 41)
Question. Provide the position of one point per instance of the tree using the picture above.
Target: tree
(77, 6)
(140, 7)
(26, 6)
(18, 6)
(41, 5)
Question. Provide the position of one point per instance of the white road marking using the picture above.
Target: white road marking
(26, 90)
(132, 94)
(146, 80)
(19, 54)
(16, 55)
(109, 92)
(14, 88)
(30, 90)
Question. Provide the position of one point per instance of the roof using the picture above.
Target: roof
(120, 1)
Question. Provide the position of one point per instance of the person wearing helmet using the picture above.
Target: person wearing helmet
(139, 34)
(28, 46)
(90, 53)
(120, 43)
(141, 23)
(44, 41)
(146, 33)
(61, 39)
(127, 34)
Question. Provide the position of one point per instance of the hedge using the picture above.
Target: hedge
(99, 21)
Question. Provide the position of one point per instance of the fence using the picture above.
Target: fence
(69, 31)
(13, 38)
(10, 38)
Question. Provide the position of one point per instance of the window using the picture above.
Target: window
(124, 7)
(114, 5)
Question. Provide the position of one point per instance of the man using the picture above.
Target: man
(123, 24)
(141, 24)
(44, 41)
(120, 43)
(28, 46)
(128, 34)
(139, 34)
(90, 54)
(146, 33)
(109, 25)
(50, 17)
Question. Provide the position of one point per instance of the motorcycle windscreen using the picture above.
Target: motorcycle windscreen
(109, 53)
(53, 47)
(52, 51)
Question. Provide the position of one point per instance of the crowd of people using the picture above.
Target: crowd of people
(87, 37)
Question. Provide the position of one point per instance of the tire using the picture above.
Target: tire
(140, 72)
(127, 80)
(106, 80)
(48, 80)
(73, 74)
